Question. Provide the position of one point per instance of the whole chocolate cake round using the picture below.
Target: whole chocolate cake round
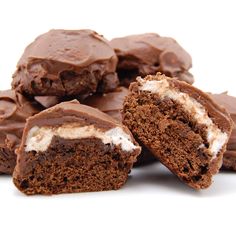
(147, 54)
(66, 63)
(14, 110)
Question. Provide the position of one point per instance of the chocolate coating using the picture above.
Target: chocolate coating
(232, 141)
(110, 103)
(47, 101)
(66, 63)
(14, 110)
(229, 103)
(149, 53)
(74, 164)
(68, 112)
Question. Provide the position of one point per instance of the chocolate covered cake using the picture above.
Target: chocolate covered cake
(14, 110)
(181, 125)
(73, 148)
(229, 103)
(66, 63)
(147, 54)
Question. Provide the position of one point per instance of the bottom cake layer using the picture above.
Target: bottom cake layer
(80, 165)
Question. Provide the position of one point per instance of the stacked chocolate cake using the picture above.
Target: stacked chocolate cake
(83, 110)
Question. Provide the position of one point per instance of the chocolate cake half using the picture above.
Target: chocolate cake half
(180, 124)
(73, 148)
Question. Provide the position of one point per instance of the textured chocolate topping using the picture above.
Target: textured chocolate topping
(47, 101)
(229, 103)
(66, 63)
(72, 112)
(150, 53)
(14, 110)
(110, 103)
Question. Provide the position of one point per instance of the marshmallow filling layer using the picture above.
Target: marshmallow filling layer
(215, 137)
(39, 138)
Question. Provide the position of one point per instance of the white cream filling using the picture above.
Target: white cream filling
(39, 138)
(215, 137)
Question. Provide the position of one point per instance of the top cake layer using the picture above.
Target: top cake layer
(79, 48)
(71, 120)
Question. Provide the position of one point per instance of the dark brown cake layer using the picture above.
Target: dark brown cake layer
(73, 164)
(14, 110)
(172, 134)
(66, 63)
(147, 54)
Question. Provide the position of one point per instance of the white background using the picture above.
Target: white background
(153, 202)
